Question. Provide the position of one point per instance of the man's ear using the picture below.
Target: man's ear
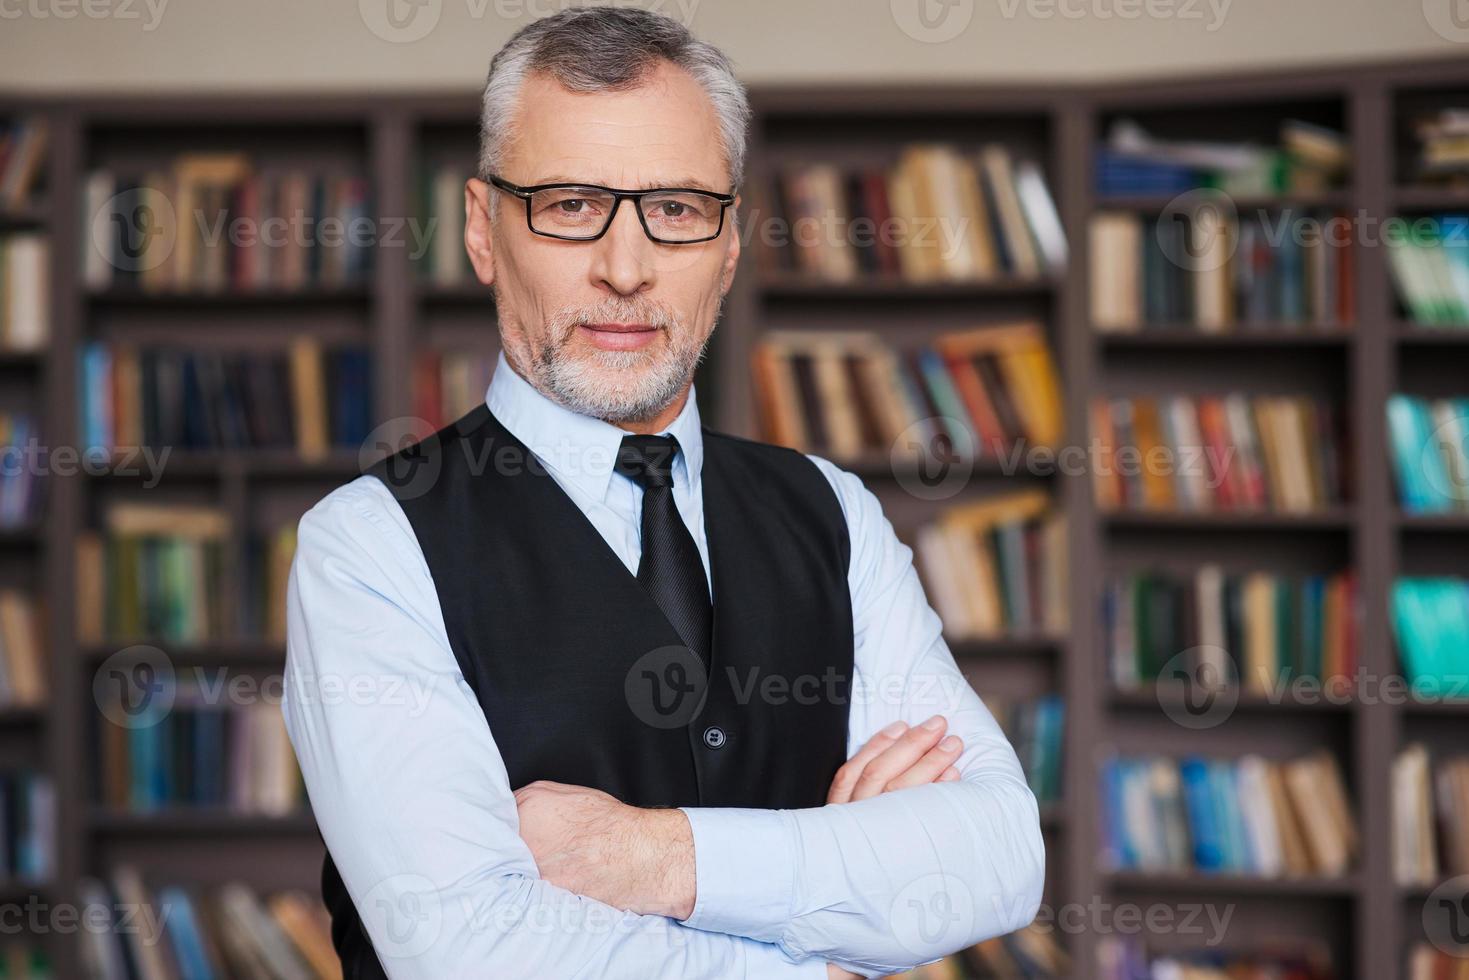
(731, 258)
(478, 236)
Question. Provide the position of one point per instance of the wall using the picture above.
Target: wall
(197, 45)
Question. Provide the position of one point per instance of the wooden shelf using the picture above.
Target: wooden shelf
(789, 286)
(1428, 197)
(214, 652)
(1243, 336)
(1242, 202)
(1202, 883)
(471, 291)
(22, 217)
(1414, 335)
(310, 295)
(1331, 519)
(20, 536)
(23, 715)
(246, 462)
(184, 820)
(1250, 701)
(1018, 645)
(1456, 522)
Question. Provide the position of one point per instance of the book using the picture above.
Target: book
(986, 392)
(1248, 816)
(996, 567)
(215, 222)
(1203, 271)
(1228, 452)
(1260, 632)
(1430, 619)
(207, 930)
(1429, 439)
(25, 291)
(1428, 259)
(1306, 157)
(23, 146)
(1127, 958)
(304, 399)
(21, 476)
(939, 213)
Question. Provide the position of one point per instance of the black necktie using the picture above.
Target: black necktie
(670, 568)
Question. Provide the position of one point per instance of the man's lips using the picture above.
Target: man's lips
(618, 336)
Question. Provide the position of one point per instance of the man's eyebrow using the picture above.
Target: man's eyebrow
(690, 182)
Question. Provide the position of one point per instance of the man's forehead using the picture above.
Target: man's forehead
(663, 132)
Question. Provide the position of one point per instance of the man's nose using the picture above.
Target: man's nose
(624, 255)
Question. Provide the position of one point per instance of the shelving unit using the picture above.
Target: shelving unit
(1365, 917)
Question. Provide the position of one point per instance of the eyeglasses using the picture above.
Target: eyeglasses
(584, 212)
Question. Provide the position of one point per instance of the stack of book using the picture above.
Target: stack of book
(25, 959)
(1257, 630)
(1133, 162)
(985, 391)
(203, 752)
(1035, 729)
(214, 221)
(268, 568)
(215, 931)
(22, 663)
(25, 294)
(1430, 452)
(20, 474)
(1430, 963)
(27, 826)
(304, 399)
(1430, 618)
(447, 384)
(1031, 953)
(1429, 263)
(939, 214)
(444, 261)
(1443, 147)
(1249, 816)
(156, 573)
(1218, 453)
(1127, 959)
(1206, 272)
(1426, 806)
(22, 152)
(996, 567)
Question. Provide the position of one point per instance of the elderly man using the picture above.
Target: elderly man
(679, 706)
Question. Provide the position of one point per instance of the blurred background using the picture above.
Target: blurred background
(1147, 320)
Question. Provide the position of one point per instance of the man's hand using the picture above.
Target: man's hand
(898, 757)
(589, 843)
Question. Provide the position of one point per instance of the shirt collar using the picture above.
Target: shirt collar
(578, 448)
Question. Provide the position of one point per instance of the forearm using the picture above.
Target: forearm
(883, 883)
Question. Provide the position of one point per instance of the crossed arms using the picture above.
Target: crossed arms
(456, 873)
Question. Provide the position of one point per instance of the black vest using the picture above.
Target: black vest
(583, 680)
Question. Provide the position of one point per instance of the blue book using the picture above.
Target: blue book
(1202, 814)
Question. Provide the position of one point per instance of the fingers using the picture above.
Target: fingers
(846, 778)
(951, 775)
(934, 764)
(911, 746)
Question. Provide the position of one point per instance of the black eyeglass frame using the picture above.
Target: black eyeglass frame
(618, 196)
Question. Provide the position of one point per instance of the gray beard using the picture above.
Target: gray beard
(632, 395)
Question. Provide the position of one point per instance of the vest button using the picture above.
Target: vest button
(714, 737)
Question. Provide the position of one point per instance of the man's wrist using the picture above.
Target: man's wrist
(667, 884)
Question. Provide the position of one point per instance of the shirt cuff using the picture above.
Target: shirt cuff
(745, 866)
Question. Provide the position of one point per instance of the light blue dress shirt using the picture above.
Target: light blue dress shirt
(412, 797)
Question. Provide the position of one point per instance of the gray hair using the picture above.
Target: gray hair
(601, 49)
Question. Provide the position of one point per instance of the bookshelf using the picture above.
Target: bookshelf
(399, 313)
